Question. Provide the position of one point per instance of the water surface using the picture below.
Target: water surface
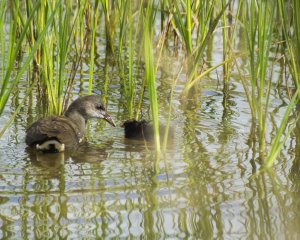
(208, 184)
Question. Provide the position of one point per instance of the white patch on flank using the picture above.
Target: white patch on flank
(46, 145)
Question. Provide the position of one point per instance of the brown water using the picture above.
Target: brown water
(208, 184)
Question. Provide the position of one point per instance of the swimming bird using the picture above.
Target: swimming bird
(58, 133)
(142, 130)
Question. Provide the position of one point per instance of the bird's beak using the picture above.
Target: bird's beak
(108, 119)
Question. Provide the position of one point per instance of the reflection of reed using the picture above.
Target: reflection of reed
(258, 209)
(123, 196)
(195, 219)
(295, 170)
(96, 198)
(294, 176)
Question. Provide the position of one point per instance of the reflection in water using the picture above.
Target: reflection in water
(294, 177)
(112, 190)
(53, 163)
(47, 160)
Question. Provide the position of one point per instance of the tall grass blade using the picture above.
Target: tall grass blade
(150, 72)
(259, 33)
(280, 137)
(198, 52)
(131, 82)
(92, 54)
(2, 40)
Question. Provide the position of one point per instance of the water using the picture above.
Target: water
(209, 184)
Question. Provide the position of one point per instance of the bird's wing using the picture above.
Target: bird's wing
(56, 127)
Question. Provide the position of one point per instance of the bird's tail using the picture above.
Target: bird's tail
(51, 146)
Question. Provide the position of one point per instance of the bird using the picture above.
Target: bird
(55, 134)
(142, 130)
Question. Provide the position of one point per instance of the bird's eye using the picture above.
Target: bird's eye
(100, 107)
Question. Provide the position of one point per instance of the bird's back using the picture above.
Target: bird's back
(58, 128)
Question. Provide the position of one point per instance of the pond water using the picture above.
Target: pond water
(208, 184)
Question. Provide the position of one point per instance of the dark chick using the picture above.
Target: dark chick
(141, 130)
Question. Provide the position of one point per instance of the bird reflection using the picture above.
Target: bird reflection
(49, 160)
(84, 153)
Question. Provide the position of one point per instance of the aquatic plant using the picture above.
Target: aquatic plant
(258, 20)
(94, 20)
(150, 70)
(290, 24)
(8, 84)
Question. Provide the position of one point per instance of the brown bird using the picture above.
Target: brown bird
(57, 133)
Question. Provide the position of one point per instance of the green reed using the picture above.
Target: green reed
(130, 60)
(225, 35)
(290, 22)
(54, 54)
(282, 134)
(63, 39)
(127, 33)
(2, 41)
(150, 69)
(94, 21)
(229, 27)
(258, 20)
(292, 43)
(130, 56)
(8, 85)
(47, 31)
(49, 84)
(204, 32)
(109, 25)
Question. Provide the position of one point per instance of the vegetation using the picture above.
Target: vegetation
(51, 40)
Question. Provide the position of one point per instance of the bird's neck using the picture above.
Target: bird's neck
(78, 119)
